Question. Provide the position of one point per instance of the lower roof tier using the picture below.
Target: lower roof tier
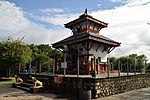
(78, 38)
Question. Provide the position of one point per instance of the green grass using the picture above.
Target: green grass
(7, 82)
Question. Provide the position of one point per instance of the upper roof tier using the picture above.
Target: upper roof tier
(86, 23)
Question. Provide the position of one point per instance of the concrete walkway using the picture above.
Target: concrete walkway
(9, 93)
(141, 94)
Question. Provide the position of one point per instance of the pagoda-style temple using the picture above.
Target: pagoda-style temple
(86, 48)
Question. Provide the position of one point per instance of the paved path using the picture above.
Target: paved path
(8, 93)
(141, 94)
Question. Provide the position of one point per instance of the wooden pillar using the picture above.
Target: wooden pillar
(98, 67)
(88, 65)
(92, 64)
(78, 64)
(108, 66)
(88, 69)
(94, 67)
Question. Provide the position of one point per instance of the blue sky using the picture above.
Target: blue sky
(69, 6)
(73, 5)
(42, 21)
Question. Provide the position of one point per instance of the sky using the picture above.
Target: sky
(42, 21)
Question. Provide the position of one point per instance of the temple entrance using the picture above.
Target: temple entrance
(73, 60)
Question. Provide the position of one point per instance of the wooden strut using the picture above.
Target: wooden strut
(98, 47)
(99, 28)
(80, 26)
(111, 49)
(89, 25)
(76, 47)
(91, 46)
(105, 48)
(94, 26)
(87, 47)
(84, 46)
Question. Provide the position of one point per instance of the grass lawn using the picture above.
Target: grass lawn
(8, 81)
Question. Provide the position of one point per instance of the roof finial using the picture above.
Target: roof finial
(85, 11)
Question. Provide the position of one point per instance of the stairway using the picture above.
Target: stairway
(27, 85)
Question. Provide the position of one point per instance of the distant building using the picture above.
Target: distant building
(87, 43)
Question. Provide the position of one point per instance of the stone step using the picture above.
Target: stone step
(29, 81)
(22, 88)
(27, 85)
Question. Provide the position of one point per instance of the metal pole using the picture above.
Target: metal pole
(19, 68)
(65, 56)
(53, 69)
(40, 69)
(145, 67)
(64, 63)
(78, 67)
(127, 67)
(135, 67)
(118, 67)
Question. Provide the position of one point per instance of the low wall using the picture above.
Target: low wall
(116, 85)
(100, 87)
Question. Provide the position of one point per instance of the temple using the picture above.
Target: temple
(86, 48)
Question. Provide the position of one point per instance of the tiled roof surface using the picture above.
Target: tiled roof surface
(86, 37)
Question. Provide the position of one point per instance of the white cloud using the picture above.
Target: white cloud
(11, 18)
(128, 25)
(118, 0)
(58, 19)
(133, 2)
(14, 24)
(52, 10)
(137, 2)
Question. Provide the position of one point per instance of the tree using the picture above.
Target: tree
(131, 63)
(54, 53)
(141, 59)
(13, 53)
(41, 58)
(113, 62)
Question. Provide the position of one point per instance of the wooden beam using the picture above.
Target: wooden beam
(98, 47)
